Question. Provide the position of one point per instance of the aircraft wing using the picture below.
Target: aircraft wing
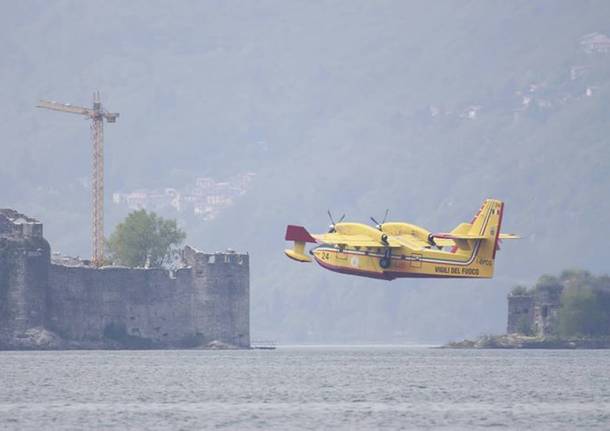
(411, 241)
(444, 242)
(354, 240)
(454, 236)
(448, 239)
(443, 239)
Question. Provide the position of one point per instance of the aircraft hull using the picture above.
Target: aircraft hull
(367, 264)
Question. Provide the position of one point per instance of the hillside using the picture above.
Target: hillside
(351, 106)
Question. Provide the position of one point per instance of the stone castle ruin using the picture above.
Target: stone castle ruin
(44, 304)
(534, 312)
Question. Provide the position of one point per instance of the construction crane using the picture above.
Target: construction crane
(96, 114)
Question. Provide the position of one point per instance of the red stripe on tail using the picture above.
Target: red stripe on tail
(497, 242)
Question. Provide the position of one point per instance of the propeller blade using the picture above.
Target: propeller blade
(341, 219)
(331, 228)
(385, 217)
(375, 221)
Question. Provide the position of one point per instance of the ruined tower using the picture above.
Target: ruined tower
(221, 305)
(520, 314)
(24, 266)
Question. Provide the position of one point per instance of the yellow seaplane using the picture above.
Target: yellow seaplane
(394, 250)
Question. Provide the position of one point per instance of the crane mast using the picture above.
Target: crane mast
(97, 114)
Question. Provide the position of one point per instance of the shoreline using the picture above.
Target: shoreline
(517, 341)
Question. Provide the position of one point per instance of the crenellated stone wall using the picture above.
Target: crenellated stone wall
(145, 306)
(44, 305)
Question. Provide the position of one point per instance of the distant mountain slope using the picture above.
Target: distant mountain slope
(354, 106)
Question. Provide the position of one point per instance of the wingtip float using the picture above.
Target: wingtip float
(396, 250)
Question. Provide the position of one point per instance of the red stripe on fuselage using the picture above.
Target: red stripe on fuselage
(386, 275)
(362, 273)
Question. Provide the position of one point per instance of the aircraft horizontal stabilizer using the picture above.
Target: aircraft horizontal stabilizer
(300, 236)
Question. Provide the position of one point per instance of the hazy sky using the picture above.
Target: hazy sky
(354, 106)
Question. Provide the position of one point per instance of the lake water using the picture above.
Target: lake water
(305, 388)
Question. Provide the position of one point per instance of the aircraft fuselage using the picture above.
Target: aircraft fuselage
(366, 262)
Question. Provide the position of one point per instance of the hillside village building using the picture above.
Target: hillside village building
(595, 43)
(206, 199)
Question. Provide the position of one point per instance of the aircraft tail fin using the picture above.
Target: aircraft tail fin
(484, 227)
(300, 236)
(486, 224)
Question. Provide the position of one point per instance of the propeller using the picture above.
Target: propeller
(331, 228)
(377, 224)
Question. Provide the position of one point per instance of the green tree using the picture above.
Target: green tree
(584, 311)
(144, 239)
(548, 282)
(577, 277)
